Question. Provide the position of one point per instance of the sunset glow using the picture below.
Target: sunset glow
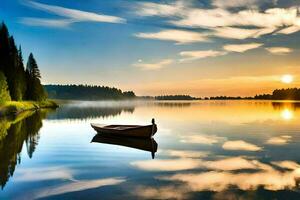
(287, 78)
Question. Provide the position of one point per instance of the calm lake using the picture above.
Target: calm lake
(206, 150)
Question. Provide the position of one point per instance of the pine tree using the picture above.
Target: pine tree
(4, 48)
(12, 73)
(21, 73)
(4, 93)
(35, 90)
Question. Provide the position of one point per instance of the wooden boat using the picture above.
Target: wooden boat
(148, 144)
(137, 131)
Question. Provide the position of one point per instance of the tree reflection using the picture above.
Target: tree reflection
(14, 133)
(88, 112)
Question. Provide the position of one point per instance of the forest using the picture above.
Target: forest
(17, 83)
(278, 94)
(87, 92)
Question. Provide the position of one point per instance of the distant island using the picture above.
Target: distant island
(20, 87)
(176, 97)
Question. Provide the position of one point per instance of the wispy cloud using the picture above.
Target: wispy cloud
(59, 23)
(70, 16)
(157, 9)
(241, 146)
(241, 3)
(279, 50)
(179, 36)
(217, 18)
(153, 66)
(241, 33)
(195, 55)
(241, 47)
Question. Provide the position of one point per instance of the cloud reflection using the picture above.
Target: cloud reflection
(226, 164)
(185, 154)
(78, 186)
(240, 145)
(279, 140)
(43, 174)
(201, 139)
(219, 181)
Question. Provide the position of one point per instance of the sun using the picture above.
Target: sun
(287, 78)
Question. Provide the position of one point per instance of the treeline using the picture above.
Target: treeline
(282, 94)
(278, 94)
(175, 97)
(87, 92)
(16, 82)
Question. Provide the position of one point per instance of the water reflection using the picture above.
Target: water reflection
(14, 133)
(207, 150)
(287, 114)
(136, 143)
(89, 111)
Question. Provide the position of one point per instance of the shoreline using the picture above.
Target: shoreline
(17, 107)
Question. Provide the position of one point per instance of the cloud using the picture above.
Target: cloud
(153, 66)
(157, 9)
(270, 18)
(279, 50)
(179, 36)
(240, 33)
(241, 47)
(71, 16)
(58, 23)
(216, 19)
(280, 140)
(195, 55)
(240, 3)
(241, 146)
(201, 139)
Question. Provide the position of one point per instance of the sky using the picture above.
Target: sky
(196, 47)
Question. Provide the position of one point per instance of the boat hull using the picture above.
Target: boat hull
(128, 131)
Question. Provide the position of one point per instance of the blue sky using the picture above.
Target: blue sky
(197, 47)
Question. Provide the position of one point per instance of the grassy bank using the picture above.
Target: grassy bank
(17, 107)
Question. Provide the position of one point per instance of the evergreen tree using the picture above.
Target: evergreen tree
(35, 90)
(11, 63)
(4, 93)
(4, 48)
(21, 73)
(12, 72)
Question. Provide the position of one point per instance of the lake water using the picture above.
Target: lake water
(206, 150)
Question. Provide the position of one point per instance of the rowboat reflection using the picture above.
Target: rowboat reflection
(148, 144)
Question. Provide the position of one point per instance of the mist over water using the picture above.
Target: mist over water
(206, 150)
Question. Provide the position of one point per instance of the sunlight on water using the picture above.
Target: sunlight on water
(203, 150)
